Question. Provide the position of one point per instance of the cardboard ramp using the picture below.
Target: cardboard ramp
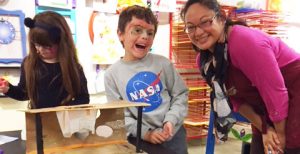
(109, 135)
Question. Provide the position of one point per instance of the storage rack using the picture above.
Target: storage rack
(270, 22)
(184, 58)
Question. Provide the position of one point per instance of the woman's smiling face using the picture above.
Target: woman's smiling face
(203, 26)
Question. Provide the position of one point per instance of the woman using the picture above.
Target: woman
(51, 74)
(258, 73)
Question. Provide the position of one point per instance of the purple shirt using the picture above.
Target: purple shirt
(260, 58)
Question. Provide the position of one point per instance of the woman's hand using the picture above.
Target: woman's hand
(281, 137)
(272, 142)
(4, 86)
(280, 130)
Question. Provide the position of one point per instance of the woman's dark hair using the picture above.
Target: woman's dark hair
(210, 4)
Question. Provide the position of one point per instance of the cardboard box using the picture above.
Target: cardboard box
(51, 139)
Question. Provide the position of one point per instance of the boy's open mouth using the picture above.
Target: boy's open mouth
(140, 46)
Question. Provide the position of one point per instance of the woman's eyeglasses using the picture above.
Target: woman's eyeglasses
(190, 28)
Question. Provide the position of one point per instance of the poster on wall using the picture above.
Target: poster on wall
(252, 4)
(249, 4)
(291, 10)
(274, 5)
(125, 3)
(108, 6)
(107, 48)
(163, 5)
(64, 4)
(12, 38)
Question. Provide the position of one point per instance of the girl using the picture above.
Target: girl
(51, 74)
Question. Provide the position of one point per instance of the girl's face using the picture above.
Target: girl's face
(137, 39)
(202, 26)
(47, 53)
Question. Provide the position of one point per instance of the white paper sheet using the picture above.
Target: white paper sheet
(5, 139)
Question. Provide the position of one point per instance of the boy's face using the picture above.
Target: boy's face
(137, 39)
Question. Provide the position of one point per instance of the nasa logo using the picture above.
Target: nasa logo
(145, 87)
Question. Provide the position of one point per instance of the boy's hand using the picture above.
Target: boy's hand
(271, 141)
(156, 137)
(3, 85)
(168, 129)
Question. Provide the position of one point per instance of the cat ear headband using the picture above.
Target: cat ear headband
(54, 32)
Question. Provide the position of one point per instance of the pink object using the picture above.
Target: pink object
(260, 57)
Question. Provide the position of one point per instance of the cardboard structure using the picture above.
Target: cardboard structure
(44, 133)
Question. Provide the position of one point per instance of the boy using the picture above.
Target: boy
(140, 76)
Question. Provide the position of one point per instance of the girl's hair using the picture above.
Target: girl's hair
(138, 12)
(51, 28)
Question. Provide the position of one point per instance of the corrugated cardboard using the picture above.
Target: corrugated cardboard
(54, 142)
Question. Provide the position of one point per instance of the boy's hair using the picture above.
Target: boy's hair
(137, 12)
(41, 28)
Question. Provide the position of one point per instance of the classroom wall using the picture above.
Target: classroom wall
(28, 8)
(83, 44)
(84, 47)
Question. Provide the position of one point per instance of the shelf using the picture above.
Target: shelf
(196, 122)
(184, 59)
(198, 88)
(195, 132)
(199, 100)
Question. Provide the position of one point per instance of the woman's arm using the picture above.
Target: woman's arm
(248, 112)
(260, 63)
(272, 140)
(280, 130)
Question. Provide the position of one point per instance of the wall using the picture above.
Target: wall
(28, 11)
(84, 45)
(9, 118)
(257, 4)
(291, 9)
(84, 48)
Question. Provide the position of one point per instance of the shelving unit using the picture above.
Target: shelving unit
(270, 22)
(184, 58)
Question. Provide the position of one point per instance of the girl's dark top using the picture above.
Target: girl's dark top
(49, 87)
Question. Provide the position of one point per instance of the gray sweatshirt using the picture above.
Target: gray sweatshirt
(152, 80)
